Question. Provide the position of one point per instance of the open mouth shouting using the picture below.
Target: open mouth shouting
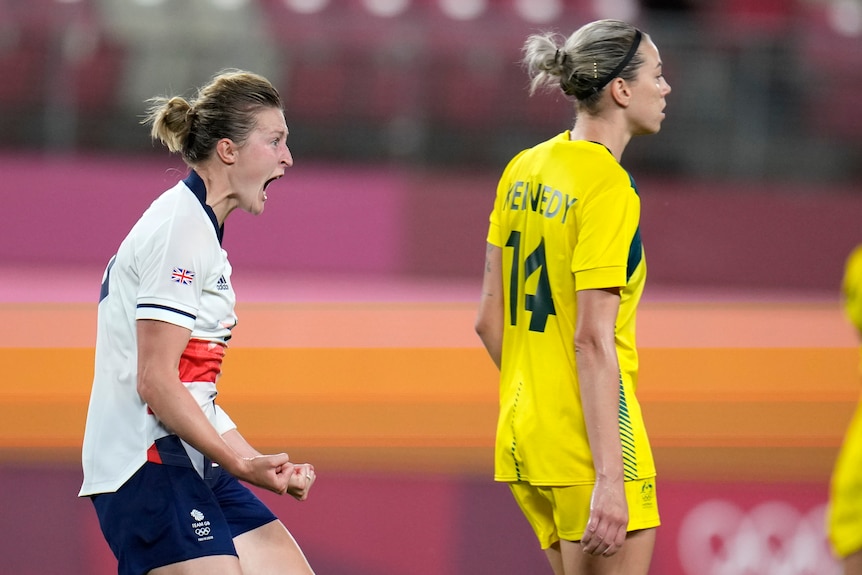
(267, 183)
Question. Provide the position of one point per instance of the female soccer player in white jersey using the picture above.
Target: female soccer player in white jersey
(845, 499)
(161, 460)
(563, 275)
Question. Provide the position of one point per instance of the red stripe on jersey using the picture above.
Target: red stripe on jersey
(153, 454)
(201, 361)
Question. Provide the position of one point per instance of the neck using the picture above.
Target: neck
(603, 131)
(218, 191)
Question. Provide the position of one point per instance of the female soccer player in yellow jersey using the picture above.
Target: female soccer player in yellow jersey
(845, 502)
(563, 276)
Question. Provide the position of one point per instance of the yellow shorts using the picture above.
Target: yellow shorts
(557, 513)
(844, 518)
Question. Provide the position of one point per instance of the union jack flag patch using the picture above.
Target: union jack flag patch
(182, 276)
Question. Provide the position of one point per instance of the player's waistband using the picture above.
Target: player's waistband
(169, 450)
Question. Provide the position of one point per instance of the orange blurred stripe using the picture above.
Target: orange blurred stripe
(325, 325)
(409, 384)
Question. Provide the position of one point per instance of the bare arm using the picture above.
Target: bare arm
(599, 379)
(160, 346)
(489, 321)
(301, 475)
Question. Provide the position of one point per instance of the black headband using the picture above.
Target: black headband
(621, 66)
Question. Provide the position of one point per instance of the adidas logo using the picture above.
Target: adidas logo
(221, 284)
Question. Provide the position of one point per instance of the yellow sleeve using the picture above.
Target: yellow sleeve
(494, 226)
(608, 222)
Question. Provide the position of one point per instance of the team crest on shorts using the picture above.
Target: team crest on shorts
(648, 494)
(201, 526)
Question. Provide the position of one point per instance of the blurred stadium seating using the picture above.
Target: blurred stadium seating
(762, 89)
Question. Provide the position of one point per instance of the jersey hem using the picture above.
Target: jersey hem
(112, 485)
(563, 483)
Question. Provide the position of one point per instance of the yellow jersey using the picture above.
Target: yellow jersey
(851, 288)
(566, 216)
(844, 520)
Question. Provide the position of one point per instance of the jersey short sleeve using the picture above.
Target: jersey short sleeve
(494, 227)
(173, 269)
(608, 220)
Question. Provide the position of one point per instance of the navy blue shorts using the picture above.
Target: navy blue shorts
(165, 514)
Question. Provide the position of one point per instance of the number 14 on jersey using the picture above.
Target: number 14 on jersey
(541, 303)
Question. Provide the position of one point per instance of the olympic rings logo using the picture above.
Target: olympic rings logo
(773, 538)
(202, 531)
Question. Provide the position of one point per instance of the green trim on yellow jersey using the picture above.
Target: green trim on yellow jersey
(627, 439)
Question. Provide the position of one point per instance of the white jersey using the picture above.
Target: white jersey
(171, 268)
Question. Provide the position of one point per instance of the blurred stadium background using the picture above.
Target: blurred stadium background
(358, 286)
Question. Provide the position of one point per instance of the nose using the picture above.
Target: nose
(666, 88)
(287, 157)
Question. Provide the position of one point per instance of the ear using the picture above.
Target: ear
(226, 150)
(621, 92)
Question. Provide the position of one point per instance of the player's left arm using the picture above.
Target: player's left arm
(598, 378)
(490, 318)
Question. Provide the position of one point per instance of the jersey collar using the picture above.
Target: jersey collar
(199, 189)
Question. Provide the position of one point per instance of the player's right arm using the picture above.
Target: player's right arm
(302, 475)
(160, 346)
(489, 321)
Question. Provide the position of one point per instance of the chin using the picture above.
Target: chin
(654, 129)
(646, 131)
(255, 210)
